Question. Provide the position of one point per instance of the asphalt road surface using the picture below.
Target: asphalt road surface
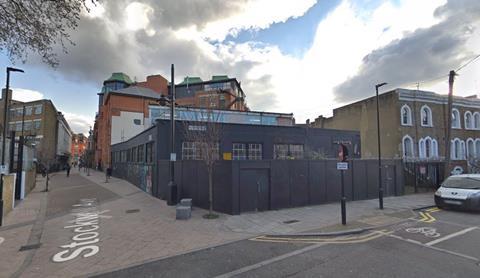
(435, 243)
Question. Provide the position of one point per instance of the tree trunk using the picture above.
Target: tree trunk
(210, 189)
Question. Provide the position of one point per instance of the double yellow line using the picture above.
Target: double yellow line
(309, 239)
(427, 217)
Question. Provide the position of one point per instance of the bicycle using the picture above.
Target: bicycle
(427, 231)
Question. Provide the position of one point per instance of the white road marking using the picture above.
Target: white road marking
(270, 261)
(1, 240)
(450, 236)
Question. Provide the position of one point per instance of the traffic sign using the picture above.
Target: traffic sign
(342, 165)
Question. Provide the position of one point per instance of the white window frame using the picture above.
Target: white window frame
(476, 120)
(409, 115)
(239, 151)
(411, 147)
(477, 148)
(456, 122)
(422, 148)
(457, 149)
(430, 118)
(468, 115)
(470, 154)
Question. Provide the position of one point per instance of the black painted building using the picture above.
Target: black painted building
(260, 167)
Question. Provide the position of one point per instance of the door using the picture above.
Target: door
(254, 190)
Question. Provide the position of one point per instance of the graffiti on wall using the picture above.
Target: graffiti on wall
(141, 176)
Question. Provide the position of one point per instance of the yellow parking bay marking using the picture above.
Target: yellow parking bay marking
(426, 217)
(335, 240)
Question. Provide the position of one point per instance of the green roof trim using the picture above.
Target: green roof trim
(219, 77)
(191, 80)
(119, 76)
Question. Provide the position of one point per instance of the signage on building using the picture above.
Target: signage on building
(173, 157)
(227, 156)
(342, 165)
(423, 170)
(197, 128)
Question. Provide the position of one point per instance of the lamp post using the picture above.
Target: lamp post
(172, 186)
(4, 135)
(380, 187)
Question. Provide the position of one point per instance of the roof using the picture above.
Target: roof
(191, 80)
(119, 76)
(136, 91)
(219, 77)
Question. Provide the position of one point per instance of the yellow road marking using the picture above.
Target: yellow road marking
(426, 217)
(337, 240)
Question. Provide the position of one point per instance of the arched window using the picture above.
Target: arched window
(455, 118)
(427, 148)
(477, 148)
(426, 116)
(458, 149)
(476, 120)
(470, 148)
(407, 146)
(468, 120)
(406, 115)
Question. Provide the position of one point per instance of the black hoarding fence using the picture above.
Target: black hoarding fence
(242, 186)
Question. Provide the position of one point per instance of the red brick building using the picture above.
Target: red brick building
(123, 108)
(79, 145)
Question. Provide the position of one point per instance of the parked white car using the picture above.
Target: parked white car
(459, 191)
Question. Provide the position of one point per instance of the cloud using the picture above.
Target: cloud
(420, 55)
(26, 95)
(78, 123)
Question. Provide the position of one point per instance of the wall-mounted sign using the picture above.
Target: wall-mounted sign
(227, 156)
(342, 165)
(197, 128)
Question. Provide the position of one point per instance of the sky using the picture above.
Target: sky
(304, 57)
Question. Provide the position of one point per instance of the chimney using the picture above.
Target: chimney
(4, 90)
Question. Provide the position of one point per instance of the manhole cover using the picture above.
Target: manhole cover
(290, 221)
(30, 247)
(132, 211)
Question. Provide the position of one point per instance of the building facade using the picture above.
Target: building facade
(43, 126)
(413, 126)
(124, 105)
(79, 146)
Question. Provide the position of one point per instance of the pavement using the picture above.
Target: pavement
(84, 226)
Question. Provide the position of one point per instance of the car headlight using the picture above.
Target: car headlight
(438, 193)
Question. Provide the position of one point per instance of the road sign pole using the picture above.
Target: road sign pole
(343, 201)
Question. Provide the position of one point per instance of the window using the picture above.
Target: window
(134, 154)
(123, 156)
(291, 151)
(477, 148)
(27, 125)
(19, 112)
(476, 120)
(137, 121)
(149, 152)
(243, 151)
(37, 124)
(141, 154)
(217, 86)
(255, 151)
(457, 149)
(470, 148)
(426, 116)
(468, 120)
(18, 126)
(407, 146)
(455, 118)
(38, 109)
(239, 151)
(28, 110)
(193, 150)
(428, 148)
(406, 115)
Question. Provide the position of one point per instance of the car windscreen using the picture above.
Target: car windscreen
(462, 182)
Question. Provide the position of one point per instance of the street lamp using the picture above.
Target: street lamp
(380, 187)
(4, 134)
(163, 100)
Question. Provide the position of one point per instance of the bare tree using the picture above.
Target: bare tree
(204, 132)
(37, 25)
(45, 165)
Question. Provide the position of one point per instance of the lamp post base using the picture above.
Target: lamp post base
(172, 193)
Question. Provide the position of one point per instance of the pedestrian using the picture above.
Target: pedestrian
(68, 169)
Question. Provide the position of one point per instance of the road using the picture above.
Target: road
(433, 243)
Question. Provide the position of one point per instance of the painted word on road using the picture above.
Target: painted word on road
(1, 240)
(85, 226)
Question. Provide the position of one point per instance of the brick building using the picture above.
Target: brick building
(123, 108)
(79, 145)
(43, 126)
(413, 126)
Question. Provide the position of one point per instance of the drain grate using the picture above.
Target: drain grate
(132, 211)
(30, 247)
(290, 221)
